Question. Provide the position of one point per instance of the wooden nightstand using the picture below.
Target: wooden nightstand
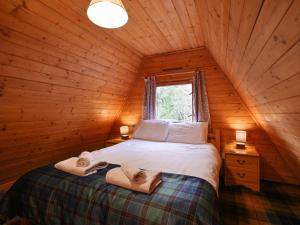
(115, 141)
(242, 167)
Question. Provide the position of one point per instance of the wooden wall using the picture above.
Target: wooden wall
(61, 77)
(63, 81)
(257, 44)
(228, 111)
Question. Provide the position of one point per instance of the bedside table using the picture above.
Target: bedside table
(242, 167)
(114, 141)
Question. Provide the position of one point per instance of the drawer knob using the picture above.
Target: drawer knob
(241, 175)
(241, 162)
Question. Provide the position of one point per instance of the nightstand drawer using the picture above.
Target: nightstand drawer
(242, 167)
(242, 175)
(242, 161)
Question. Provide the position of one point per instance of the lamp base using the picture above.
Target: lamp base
(240, 146)
(124, 137)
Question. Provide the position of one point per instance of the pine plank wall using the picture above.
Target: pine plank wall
(61, 88)
(228, 111)
(64, 81)
(257, 45)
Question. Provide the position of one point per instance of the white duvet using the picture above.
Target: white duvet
(199, 160)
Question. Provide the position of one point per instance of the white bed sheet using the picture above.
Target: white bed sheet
(199, 160)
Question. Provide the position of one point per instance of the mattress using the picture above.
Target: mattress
(198, 160)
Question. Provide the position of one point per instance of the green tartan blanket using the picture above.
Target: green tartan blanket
(49, 196)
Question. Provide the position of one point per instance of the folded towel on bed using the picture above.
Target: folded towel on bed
(134, 174)
(69, 166)
(117, 177)
(84, 159)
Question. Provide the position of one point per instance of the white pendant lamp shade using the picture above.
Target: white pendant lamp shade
(107, 13)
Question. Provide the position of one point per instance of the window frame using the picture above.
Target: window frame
(173, 84)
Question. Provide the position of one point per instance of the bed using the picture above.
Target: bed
(187, 194)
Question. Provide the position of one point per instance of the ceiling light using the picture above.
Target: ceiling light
(107, 13)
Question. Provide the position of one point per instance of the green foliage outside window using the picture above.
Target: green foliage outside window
(174, 102)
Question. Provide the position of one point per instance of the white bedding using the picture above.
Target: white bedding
(199, 160)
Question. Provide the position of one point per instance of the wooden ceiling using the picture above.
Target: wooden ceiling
(156, 26)
(63, 82)
(257, 45)
(255, 42)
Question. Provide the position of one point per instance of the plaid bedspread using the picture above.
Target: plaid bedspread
(49, 196)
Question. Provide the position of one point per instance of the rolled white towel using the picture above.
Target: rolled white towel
(69, 166)
(84, 159)
(134, 174)
(117, 177)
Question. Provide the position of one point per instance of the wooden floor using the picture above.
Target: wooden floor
(275, 204)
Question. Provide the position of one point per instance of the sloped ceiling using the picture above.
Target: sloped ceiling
(63, 82)
(257, 45)
(157, 26)
(255, 42)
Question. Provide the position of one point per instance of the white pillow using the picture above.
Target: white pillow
(188, 132)
(152, 130)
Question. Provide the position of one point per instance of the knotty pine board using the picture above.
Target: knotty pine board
(228, 111)
(63, 82)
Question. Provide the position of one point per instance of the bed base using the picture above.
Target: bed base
(213, 138)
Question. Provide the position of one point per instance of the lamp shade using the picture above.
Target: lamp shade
(124, 130)
(241, 136)
(107, 13)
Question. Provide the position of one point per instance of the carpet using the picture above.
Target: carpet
(1, 194)
(275, 204)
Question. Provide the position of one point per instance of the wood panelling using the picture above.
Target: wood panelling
(62, 77)
(262, 61)
(63, 82)
(157, 26)
(228, 111)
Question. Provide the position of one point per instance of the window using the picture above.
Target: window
(174, 102)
